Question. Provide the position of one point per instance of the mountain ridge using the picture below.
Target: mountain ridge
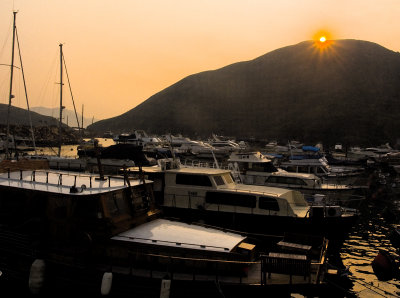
(349, 92)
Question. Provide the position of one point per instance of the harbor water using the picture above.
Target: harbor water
(368, 236)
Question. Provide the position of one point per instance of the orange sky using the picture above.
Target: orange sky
(119, 53)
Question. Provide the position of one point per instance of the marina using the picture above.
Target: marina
(275, 176)
(345, 260)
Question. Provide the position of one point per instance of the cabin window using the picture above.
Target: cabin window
(285, 180)
(304, 169)
(228, 178)
(291, 169)
(218, 180)
(272, 179)
(188, 179)
(267, 167)
(294, 180)
(232, 199)
(268, 203)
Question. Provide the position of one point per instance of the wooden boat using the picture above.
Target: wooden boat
(70, 232)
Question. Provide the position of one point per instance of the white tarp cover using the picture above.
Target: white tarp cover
(179, 234)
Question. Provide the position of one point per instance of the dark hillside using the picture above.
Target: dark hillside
(348, 92)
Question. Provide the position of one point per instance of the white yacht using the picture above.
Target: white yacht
(139, 138)
(224, 146)
(186, 146)
(257, 169)
(316, 163)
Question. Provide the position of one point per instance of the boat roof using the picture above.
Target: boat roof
(182, 169)
(254, 156)
(62, 181)
(294, 174)
(199, 170)
(258, 189)
(164, 232)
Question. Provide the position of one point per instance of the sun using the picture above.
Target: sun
(322, 39)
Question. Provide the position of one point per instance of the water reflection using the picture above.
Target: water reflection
(367, 237)
(70, 150)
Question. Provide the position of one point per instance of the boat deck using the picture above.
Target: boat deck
(62, 181)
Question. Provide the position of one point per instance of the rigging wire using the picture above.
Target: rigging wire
(51, 76)
(26, 92)
(6, 40)
(70, 90)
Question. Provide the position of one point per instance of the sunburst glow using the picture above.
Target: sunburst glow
(322, 39)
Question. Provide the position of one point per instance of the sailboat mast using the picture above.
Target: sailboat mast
(11, 84)
(82, 124)
(61, 106)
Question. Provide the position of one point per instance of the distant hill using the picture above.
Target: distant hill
(45, 128)
(67, 115)
(347, 93)
(19, 116)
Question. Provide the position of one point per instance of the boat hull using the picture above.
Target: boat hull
(335, 228)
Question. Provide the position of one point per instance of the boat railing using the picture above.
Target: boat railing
(344, 200)
(194, 268)
(156, 265)
(204, 164)
(31, 176)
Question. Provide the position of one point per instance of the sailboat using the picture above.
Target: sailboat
(8, 140)
(57, 161)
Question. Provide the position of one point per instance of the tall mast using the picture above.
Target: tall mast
(61, 106)
(82, 123)
(11, 84)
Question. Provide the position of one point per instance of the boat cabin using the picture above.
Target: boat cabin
(72, 204)
(215, 190)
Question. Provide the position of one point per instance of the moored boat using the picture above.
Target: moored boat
(256, 168)
(71, 232)
(211, 196)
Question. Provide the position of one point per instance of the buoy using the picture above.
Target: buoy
(106, 283)
(384, 266)
(165, 288)
(36, 276)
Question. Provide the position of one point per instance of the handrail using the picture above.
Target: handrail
(32, 176)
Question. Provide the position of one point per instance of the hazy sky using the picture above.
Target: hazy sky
(121, 52)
